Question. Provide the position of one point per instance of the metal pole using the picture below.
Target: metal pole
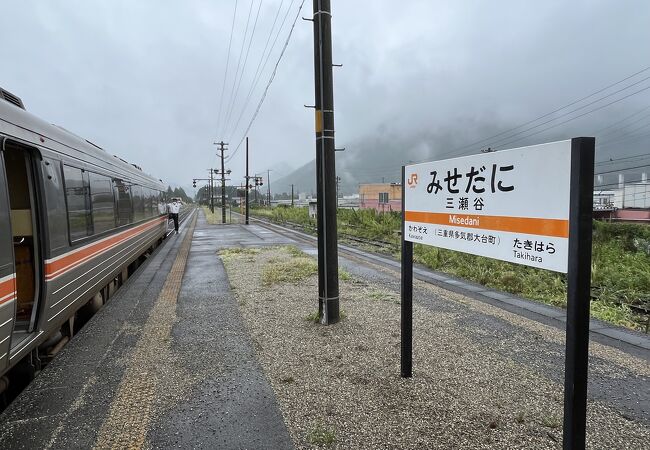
(578, 292)
(247, 180)
(406, 360)
(328, 280)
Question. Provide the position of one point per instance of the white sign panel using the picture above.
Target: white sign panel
(511, 205)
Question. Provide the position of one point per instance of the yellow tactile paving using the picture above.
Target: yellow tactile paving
(129, 416)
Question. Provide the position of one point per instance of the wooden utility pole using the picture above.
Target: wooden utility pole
(328, 277)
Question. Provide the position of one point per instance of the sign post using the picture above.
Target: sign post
(406, 351)
(578, 293)
(530, 206)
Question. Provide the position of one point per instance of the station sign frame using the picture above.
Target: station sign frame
(535, 201)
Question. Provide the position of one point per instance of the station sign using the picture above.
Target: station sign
(511, 205)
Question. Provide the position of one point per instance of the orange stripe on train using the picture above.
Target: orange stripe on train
(76, 257)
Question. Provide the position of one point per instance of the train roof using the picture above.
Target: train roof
(16, 122)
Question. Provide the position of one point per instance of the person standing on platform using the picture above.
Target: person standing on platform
(174, 207)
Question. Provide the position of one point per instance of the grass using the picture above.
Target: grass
(620, 263)
(319, 435)
(551, 421)
(289, 271)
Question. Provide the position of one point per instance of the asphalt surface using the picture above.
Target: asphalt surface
(210, 390)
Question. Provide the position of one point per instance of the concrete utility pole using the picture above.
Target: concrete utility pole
(292, 195)
(222, 149)
(247, 181)
(328, 276)
(338, 184)
(211, 192)
(268, 186)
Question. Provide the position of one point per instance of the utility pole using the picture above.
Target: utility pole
(328, 277)
(292, 195)
(211, 193)
(268, 186)
(338, 183)
(247, 181)
(222, 149)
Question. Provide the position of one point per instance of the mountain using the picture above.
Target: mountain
(379, 158)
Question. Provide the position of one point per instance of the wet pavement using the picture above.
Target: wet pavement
(191, 365)
(205, 388)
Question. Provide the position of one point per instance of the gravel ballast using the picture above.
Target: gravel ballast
(339, 386)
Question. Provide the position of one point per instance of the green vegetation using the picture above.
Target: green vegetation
(313, 317)
(319, 435)
(289, 271)
(551, 421)
(620, 264)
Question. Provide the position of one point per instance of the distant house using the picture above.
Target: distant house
(382, 197)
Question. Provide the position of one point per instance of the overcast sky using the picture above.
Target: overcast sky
(144, 79)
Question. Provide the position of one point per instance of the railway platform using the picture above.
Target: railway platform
(166, 363)
(172, 362)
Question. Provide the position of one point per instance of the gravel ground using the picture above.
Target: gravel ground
(339, 386)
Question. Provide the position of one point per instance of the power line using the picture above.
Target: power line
(485, 140)
(225, 74)
(627, 169)
(234, 81)
(268, 55)
(268, 85)
(629, 138)
(576, 117)
(577, 109)
(612, 161)
(259, 65)
(241, 76)
(598, 132)
(626, 137)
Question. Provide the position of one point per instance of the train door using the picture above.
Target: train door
(7, 277)
(19, 173)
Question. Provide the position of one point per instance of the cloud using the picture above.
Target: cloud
(143, 79)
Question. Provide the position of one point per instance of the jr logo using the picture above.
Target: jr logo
(413, 180)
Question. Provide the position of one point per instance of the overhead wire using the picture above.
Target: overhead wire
(225, 74)
(543, 116)
(234, 80)
(263, 61)
(241, 76)
(271, 78)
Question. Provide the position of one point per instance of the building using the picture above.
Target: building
(382, 197)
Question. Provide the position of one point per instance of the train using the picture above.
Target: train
(74, 222)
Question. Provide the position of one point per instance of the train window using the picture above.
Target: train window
(123, 195)
(148, 198)
(103, 203)
(154, 203)
(77, 193)
(138, 203)
(162, 206)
